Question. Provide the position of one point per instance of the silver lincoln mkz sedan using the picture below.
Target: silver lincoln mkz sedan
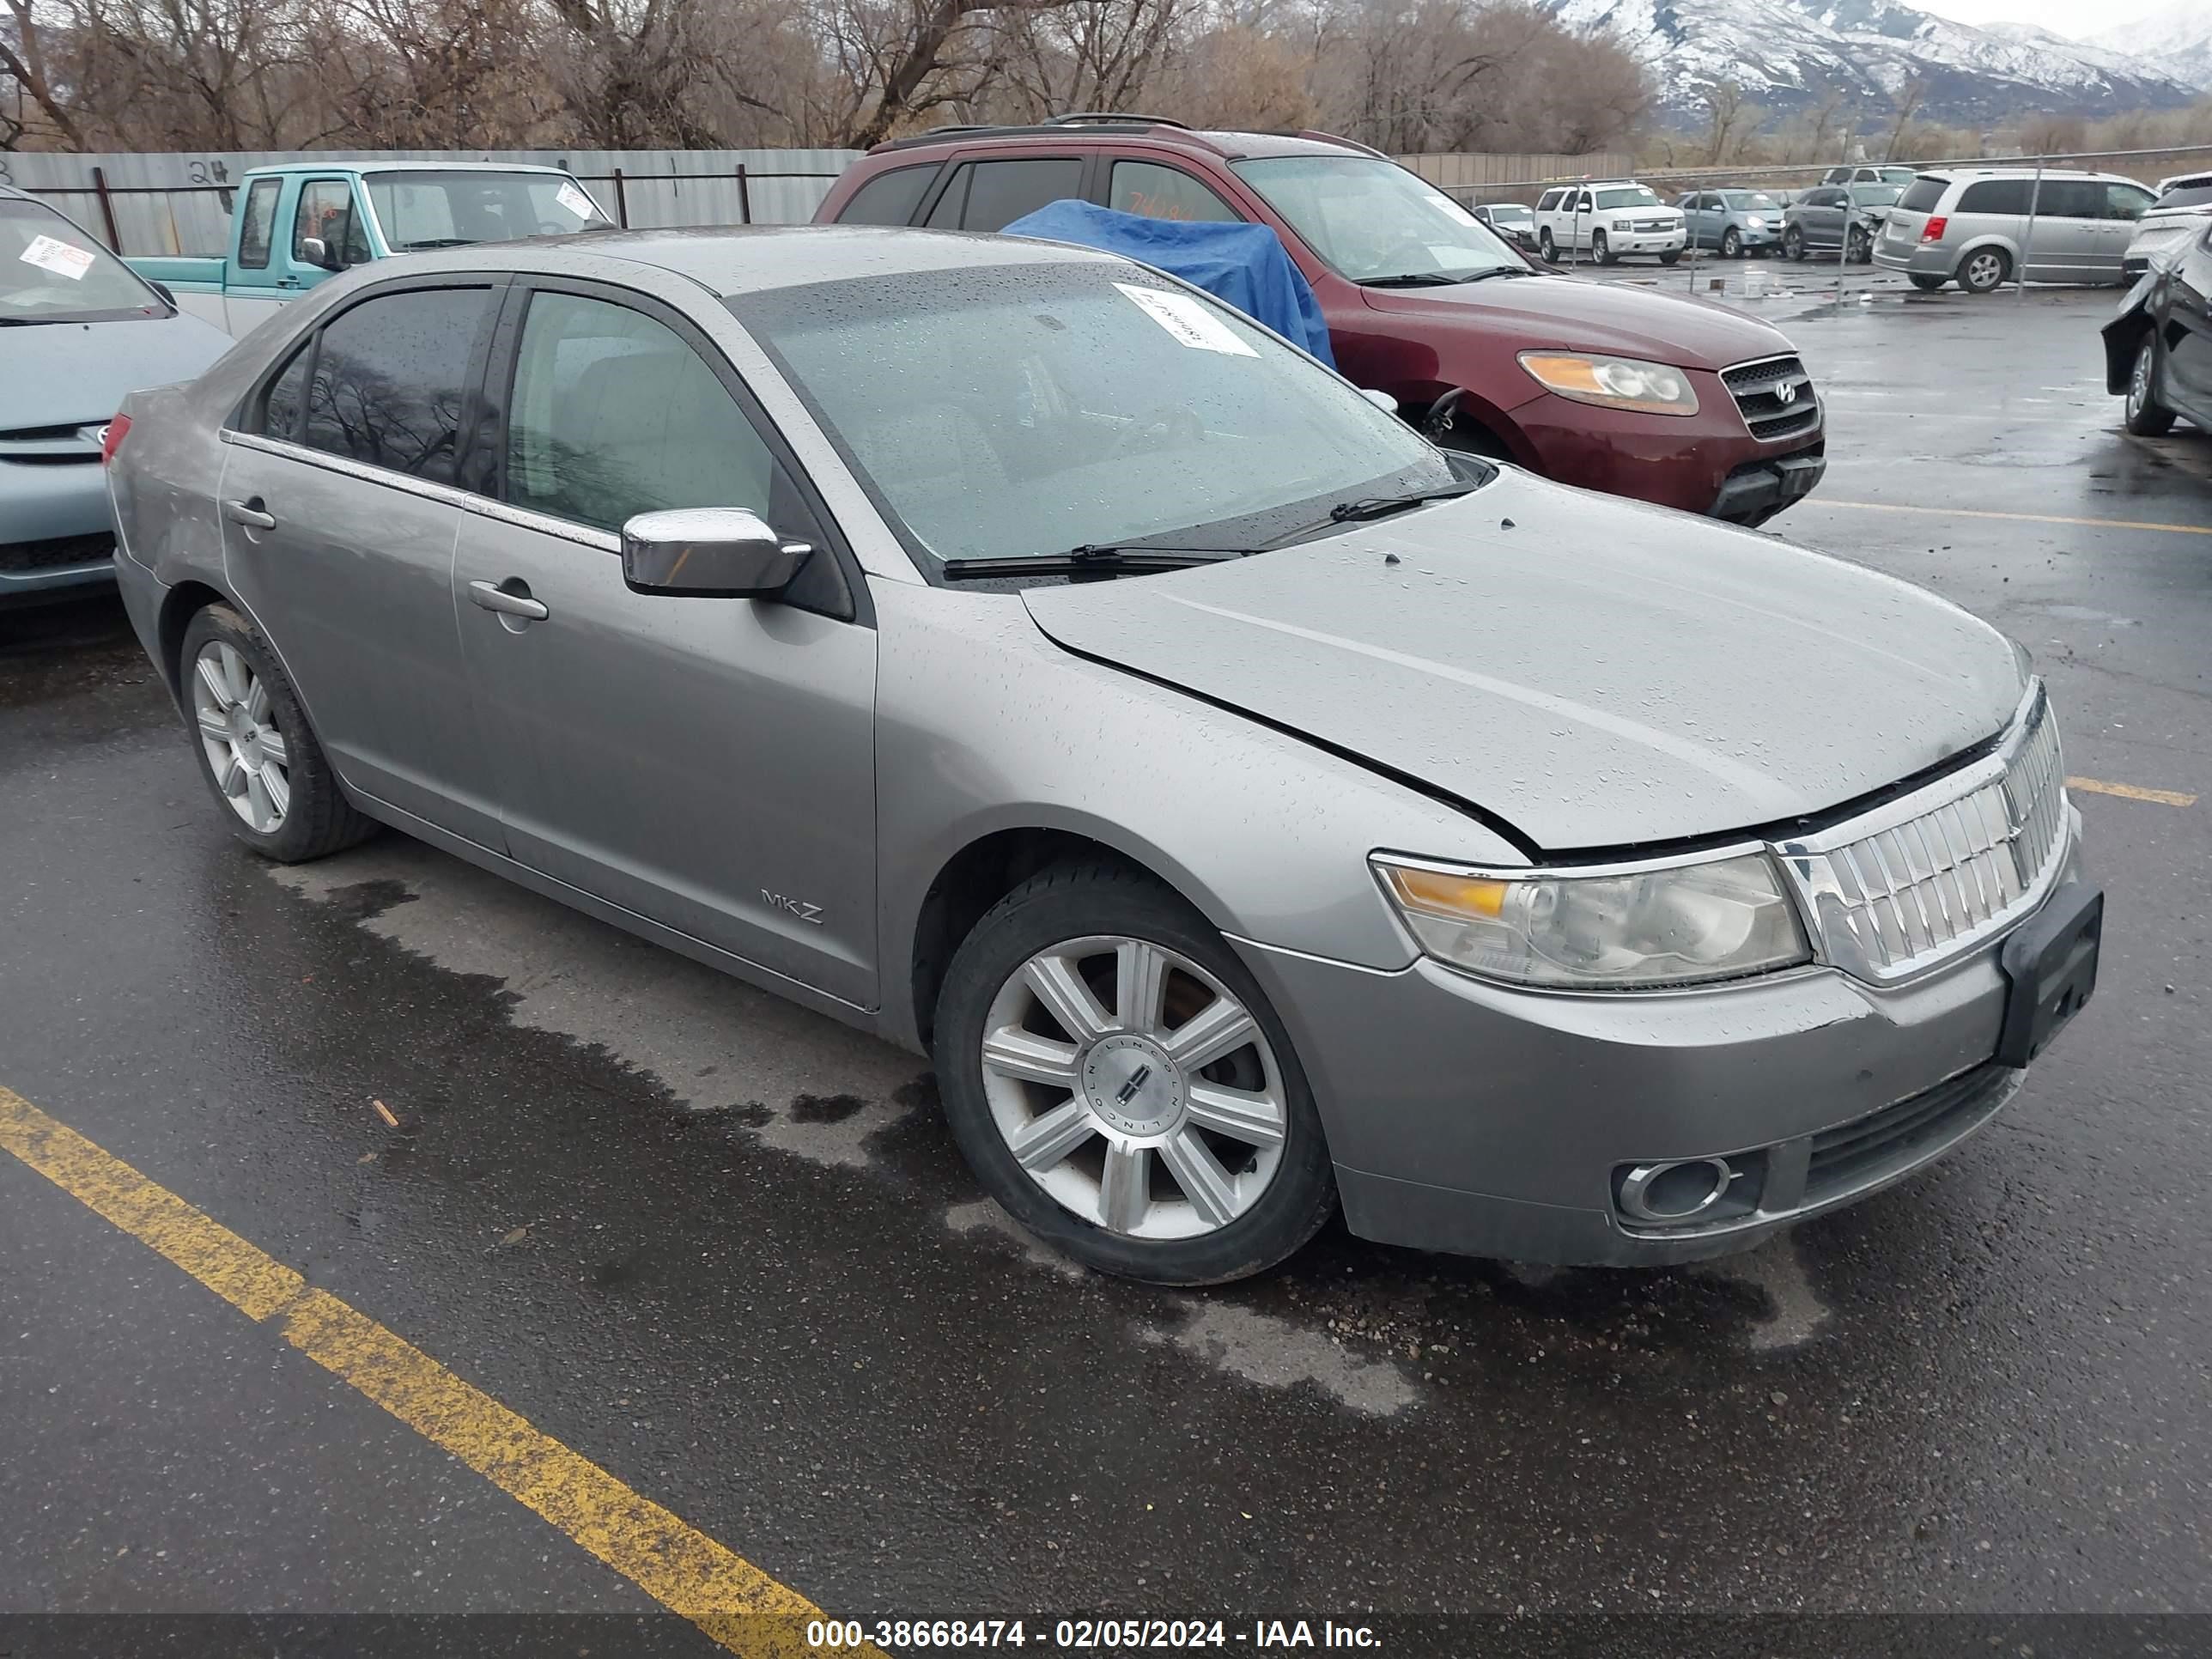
(1010, 652)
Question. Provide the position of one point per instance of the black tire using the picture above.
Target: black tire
(1545, 246)
(1601, 249)
(1793, 243)
(1670, 256)
(316, 820)
(2147, 417)
(1925, 282)
(1079, 901)
(1983, 270)
(1731, 243)
(1860, 251)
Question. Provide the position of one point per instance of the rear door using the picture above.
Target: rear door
(707, 764)
(340, 509)
(1988, 208)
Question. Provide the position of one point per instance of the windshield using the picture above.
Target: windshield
(418, 210)
(1024, 410)
(1512, 215)
(1371, 219)
(1875, 195)
(1754, 199)
(1635, 196)
(52, 272)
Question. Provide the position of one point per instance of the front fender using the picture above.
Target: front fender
(2123, 335)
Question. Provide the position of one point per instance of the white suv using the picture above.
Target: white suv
(1608, 220)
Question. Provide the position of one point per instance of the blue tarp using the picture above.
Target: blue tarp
(1244, 264)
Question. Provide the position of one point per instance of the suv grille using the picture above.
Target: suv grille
(1853, 1154)
(1775, 398)
(1655, 224)
(55, 552)
(1894, 901)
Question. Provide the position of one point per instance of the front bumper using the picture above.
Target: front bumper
(57, 530)
(1692, 463)
(1476, 1118)
(1647, 241)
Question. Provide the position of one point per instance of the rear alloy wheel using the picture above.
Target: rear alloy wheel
(1793, 243)
(2147, 417)
(1860, 251)
(1600, 249)
(1546, 248)
(256, 749)
(1985, 270)
(1120, 1085)
(1731, 243)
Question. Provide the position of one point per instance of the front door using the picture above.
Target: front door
(707, 764)
(329, 212)
(250, 296)
(339, 519)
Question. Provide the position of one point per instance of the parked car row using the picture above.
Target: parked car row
(1253, 811)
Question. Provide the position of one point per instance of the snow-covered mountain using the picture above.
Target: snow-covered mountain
(1786, 54)
(2179, 38)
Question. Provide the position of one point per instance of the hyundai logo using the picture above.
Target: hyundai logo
(1786, 392)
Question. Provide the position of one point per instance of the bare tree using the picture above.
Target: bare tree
(24, 60)
(1906, 101)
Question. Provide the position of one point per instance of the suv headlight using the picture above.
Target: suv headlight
(1613, 382)
(1563, 930)
(1624, 224)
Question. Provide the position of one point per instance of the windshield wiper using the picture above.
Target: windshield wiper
(429, 242)
(1413, 279)
(1364, 508)
(1501, 270)
(1090, 559)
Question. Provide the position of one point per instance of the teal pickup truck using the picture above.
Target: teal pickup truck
(298, 223)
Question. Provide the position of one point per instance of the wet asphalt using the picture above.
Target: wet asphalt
(725, 1251)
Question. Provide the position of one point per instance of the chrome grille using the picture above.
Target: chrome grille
(1923, 878)
(1654, 224)
(1774, 396)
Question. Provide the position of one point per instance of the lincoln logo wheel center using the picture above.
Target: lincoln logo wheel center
(1132, 1086)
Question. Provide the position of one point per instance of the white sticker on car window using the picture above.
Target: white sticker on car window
(1190, 322)
(61, 258)
(575, 201)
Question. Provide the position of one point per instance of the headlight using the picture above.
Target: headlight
(1564, 931)
(1613, 382)
(1754, 221)
(1624, 224)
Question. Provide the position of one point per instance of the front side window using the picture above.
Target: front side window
(417, 210)
(52, 272)
(390, 376)
(1053, 406)
(1159, 192)
(2129, 201)
(257, 224)
(326, 213)
(614, 414)
(1373, 221)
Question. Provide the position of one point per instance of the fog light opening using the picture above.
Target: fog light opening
(1670, 1193)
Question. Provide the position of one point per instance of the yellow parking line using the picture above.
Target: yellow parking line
(2019, 518)
(686, 1571)
(2132, 791)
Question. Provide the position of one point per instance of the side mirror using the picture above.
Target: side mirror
(1381, 400)
(708, 553)
(316, 251)
(168, 295)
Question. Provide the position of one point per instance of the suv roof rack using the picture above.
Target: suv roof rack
(1084, 118)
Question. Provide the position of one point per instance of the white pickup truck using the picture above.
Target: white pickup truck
(1607, 220)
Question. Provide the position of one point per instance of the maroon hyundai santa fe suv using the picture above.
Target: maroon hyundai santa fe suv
(1665, 399)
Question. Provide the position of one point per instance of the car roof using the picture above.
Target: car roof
(337, 164)
(729, 260)
(1966, 175)
(1224, 144)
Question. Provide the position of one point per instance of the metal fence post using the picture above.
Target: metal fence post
(621, 201)
(745, 198)
(106, 208)
(2028, 236)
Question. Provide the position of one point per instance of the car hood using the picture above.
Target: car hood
(1597, 673)
(1570, 313)
(75, 373)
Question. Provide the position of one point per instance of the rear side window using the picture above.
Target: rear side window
(991, 195)
(1549, 200)
(257, 223)
(1995, 196)
(889, 198)
(1922, 195)
(390, 376)
(1159, 192)
(287, 395)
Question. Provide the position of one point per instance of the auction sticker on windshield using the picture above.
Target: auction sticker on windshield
(1189, 321)
(574, 200)
(60, 258)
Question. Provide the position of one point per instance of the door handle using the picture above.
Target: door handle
(493, 597)
(287, 281)
(249, 513)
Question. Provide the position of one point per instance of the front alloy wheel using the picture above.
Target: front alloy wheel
(2147, 417)
(1133, 1088)
(238, 731)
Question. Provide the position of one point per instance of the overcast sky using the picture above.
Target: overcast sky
(2075, 19)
